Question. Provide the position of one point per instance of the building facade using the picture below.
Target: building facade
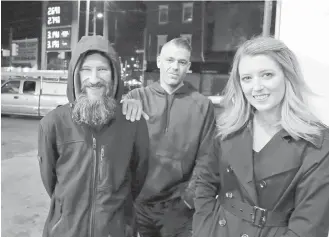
(170, 19)
(214, 28)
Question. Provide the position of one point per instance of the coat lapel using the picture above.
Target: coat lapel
(280, 155)
(237, 151)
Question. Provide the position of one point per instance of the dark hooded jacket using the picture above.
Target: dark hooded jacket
(87, 173)
(181, 128)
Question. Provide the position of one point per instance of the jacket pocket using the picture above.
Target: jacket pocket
(57, 218)
(212, 223)
(104, 171)
(275, 232)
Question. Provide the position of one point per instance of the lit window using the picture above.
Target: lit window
(187, 12)
(162, 39)
(188, 37)
(163, 14)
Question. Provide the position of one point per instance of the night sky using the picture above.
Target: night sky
(25, 18)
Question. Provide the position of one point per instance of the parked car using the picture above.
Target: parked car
(30, 96)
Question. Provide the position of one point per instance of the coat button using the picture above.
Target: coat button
(222, 222)
(229, 195)
(228, 169)
(244, 235)
(262, 184)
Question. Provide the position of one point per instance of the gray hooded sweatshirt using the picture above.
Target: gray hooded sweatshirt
(89, 174)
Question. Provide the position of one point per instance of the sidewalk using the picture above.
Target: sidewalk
(24, 201)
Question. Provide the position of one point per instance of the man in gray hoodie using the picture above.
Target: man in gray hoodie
(181, 128)
(91, 158)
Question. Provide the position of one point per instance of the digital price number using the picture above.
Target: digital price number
(59, 14)
(59, 38)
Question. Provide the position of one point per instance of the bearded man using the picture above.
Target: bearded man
(91, 158)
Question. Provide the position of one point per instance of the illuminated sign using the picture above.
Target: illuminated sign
(59, 14)
(58, 33)
(59, 38)
(27, 51)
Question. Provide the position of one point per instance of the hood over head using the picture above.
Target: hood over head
(93, 43)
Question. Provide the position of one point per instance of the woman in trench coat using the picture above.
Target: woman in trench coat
(267, 174)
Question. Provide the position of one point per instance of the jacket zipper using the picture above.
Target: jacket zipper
(101, 173)
(92, 218)
(169, 99)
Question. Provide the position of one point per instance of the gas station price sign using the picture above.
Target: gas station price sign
(59, 14)
(58, 38)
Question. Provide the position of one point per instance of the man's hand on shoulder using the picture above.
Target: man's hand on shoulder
(133, 109)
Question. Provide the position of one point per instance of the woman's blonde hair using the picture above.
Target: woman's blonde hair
(296, 117)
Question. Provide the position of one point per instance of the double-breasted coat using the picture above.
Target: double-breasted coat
(289, 197)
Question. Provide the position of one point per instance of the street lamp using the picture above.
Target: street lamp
(95, 16)
(99, 15)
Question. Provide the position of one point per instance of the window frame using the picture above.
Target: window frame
(163, 7)
(159, 37)
(185, 6)
(30, 92)
(19, 85)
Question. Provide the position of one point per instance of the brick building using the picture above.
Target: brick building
(214, 29)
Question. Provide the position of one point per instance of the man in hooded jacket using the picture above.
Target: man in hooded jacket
(91, 158)
(181, 125)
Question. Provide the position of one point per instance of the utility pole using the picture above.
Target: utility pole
(44, 37)
(115, 29)
(94, 19)
(267, 17)
(87, 17)
(106, 21)
(10, 46)
(144, 56)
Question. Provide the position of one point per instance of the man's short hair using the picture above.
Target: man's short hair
(180, 42)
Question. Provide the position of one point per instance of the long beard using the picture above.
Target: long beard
(94, 112)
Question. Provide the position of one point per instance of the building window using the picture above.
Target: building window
(162, 39)
(163, 14)
(187, 12)
(188, 37)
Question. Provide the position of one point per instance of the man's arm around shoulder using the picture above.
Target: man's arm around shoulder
(132, 105)
(134, 94)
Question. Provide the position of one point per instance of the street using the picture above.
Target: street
(18, 135)
(24, 202)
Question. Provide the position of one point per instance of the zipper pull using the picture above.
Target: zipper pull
(101, 164)
(94, 143)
